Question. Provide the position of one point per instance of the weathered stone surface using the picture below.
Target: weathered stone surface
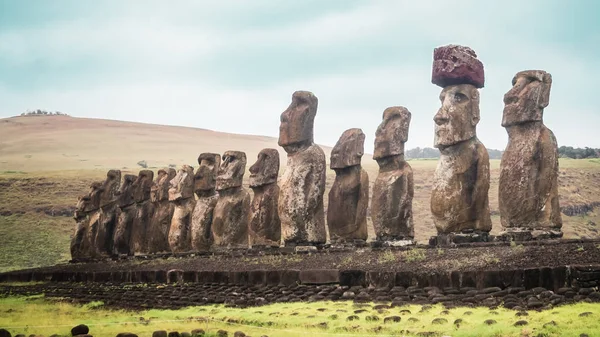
(528, 187)
(144, 210)
(231, 216)
(181, 194)
(303, 184)
(265, 226)
(349, 194)
(391, 204)
(103, 240)
(453, 64)
(204, 187)
(86, 215)
(459, 199)
(158, 229)
(127, 214)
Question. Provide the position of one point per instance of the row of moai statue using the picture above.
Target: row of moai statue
(145, 216)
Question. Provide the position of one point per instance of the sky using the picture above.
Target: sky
(232, 66)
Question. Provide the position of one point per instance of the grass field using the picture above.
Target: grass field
(35, 314)
(46, 162)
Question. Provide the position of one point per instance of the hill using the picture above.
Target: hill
(47, 161)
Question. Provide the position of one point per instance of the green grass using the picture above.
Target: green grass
(34, 240)
(39, 315)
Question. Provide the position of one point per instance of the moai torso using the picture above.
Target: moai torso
(348, 198)
(265, 225)
(204, 187)
(528, 186)
(144, 211)
(459, 198)
(232, 212)
(158, 231)
(391, 204)
(108, 214)
(127, 213)
(302, 185)
(181, 194)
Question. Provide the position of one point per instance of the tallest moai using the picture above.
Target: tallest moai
(459, 199)
(301, 207)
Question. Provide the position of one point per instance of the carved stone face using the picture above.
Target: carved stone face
(297, 120)
(182, 185)
(231, 171)
(206, 175)
(266, 168)
(348, 150)
(126, 190)
(143, 185)
(457, 119)
(526, 100)
(392, 133)
(91, 202)
(110, 188)
(160, 188)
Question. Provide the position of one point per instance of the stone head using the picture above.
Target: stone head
(526, 100)
(392, 133)
(206, 175)
(160, 188)
(143, 185)
(457, 119)
(91, 201)
(266, 168)
(182, 185)
(231, 170)
(348, 150)
(297, 121)
(110, 188)
(126, 190)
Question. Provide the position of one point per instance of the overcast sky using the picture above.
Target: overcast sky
(233, 65)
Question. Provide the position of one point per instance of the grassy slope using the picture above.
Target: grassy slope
(46, 162)
(294, 319)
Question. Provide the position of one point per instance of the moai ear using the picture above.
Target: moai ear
(546, 84)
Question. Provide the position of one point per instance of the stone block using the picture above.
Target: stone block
(319, 276)
(290, 277)
(353, 278)
(257, 277)
(381, 279)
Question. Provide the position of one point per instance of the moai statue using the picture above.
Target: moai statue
(231, 216)
(391, 206)
(158, 230)
(87, 216)
(103, 242)
(181, 194)
(265, 226)
(349, 195)
(528, 191)
(144, 210)
(303, 183)
(205, 182)
(459, 199)
(127, 214)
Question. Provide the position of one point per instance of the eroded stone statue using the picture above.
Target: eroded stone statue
(265, 226)
(127, 214)
(231, 216)
(158, 229)
(103, 242)
(181, 194)
(204, 187)
(459, 199)
(303, 183)
(144, 210)
(87, 217)
(528, 187)
(349, 194)
(393, 191)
